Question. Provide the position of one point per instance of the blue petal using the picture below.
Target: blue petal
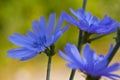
(58, 32)
(106, 20)
(70, 19)
(107, 25)
(79, 13)
(73, 66)
(40, 48)
(112, 68)
(109, 52)
(51, 23)
(57, 35)
(105, 29)
(19, 53)
(73, 53)
(95, 20)
(31, 36)
(20, 40)
(115, 75)
(61, 31)
(65, 57)
(43, 24)
(60, 21)
(29, 57)
(88, 55)
(65, 28)
(74, 13)
(99, 66)
(50, 40)
(36, 27)
(73, 56)
(112, 76)
(100, 58)
(84, 25)
(88, 17)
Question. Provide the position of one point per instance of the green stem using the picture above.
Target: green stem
(86, 37)
(115, 49)
(84, 4)
(72, 74)
(79, 43)
(49, 52)
(92, 78)
(79, 48)
(95, 38)
(80, 38)
(48, 67)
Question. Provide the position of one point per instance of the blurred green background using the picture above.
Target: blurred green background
(17, 16)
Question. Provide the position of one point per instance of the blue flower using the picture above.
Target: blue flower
(86, 22)
(36, 41)
(90, 63)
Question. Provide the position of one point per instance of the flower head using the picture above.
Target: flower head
(36, 41)
(86, 22)
(89, 63)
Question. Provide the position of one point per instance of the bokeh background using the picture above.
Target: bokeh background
(17, 16)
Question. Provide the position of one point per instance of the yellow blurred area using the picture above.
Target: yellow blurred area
(17, 16)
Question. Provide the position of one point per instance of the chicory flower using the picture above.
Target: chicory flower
(89, 62)
(89, 23)
(36, 41)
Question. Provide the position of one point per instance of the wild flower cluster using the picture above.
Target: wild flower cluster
(45, 34)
